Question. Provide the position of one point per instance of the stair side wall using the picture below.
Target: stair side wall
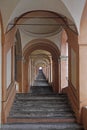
(6, 105)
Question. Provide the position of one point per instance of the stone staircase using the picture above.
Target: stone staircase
(41, 85)
(43, 112)
(40, 79)
(41, 109)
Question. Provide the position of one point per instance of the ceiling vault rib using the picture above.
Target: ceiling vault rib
(41, 17)
(44, 24)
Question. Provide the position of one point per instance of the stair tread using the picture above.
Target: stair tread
(43, 126)
(43, 108)
(29, 105)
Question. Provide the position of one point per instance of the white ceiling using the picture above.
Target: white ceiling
(11, 9)
(39, 27)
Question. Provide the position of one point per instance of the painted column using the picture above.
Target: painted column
(29, 74)
(55, 76)
(83, 58)
(25, 75)
(0, 77)
(83, 74)
(19, 64)
(51, 71)
(4, 73)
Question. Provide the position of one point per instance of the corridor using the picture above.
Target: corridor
(43, 75)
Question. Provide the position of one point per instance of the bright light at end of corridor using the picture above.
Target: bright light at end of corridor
(40, 68)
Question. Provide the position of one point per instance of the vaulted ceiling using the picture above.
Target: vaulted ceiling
(72, 9)
(37, 24)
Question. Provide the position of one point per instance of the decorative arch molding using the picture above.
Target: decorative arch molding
(39, 13)
(1, 43)
(83, 65)
(62, 20)
(49, 46)
(43, 44)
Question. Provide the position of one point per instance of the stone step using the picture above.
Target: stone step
(38, 108)
(40, 81)
(43, 98)
(43, 126)
(56, 114)
(40, 96)
(39, 120)
(42, 88)
(32, 109)
(42, 101)
(51, 108)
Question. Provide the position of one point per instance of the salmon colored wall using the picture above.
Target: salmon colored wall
(83, 57)
(6, 105)
(1, 44)
(84, 117)
(83, 65)
(7, 94)
(83, 26)
(73, 91)
(77, 94)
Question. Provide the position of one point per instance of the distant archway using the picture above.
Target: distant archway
(49, 46)
(40, 59)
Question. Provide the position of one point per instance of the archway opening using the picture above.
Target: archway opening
(40, 68)
(40, 61)
(64, 60)
(46, 45)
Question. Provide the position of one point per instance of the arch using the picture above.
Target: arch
(60, 19)
(1, 89)
(42, 44)
(39, 60)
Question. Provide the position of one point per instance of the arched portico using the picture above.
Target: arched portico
(44, 45)
(77, 72)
